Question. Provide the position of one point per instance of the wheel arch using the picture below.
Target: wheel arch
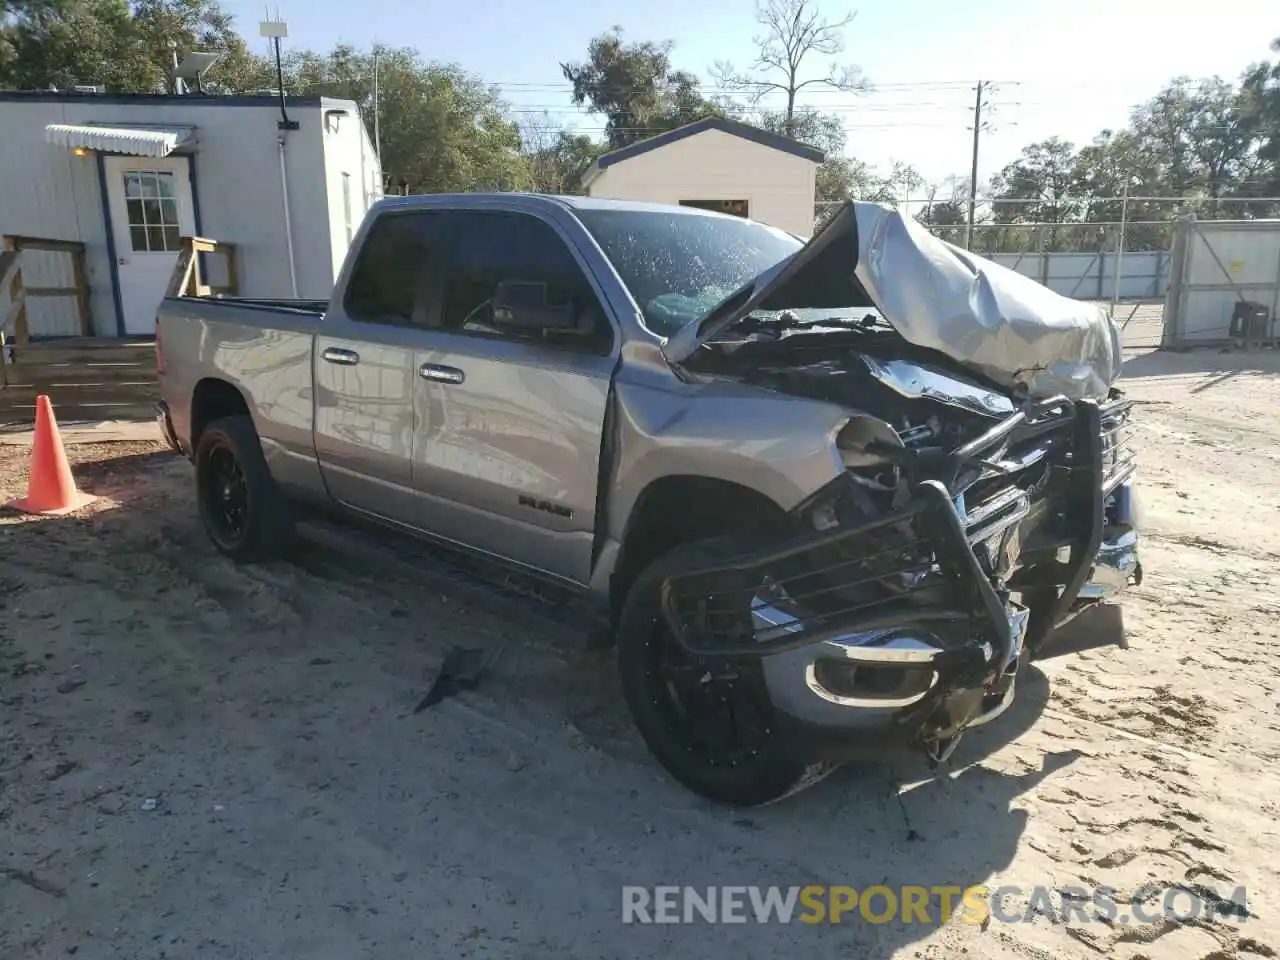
(678, 509)
(213, 399)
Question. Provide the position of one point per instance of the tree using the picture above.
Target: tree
(1039, 183)
(443, 130)
(558, 158)
(1198, 139)
(946, 209)
(636, 89)
(794, 31)
(168, 27)
(59, 43)
(840, 177)
(1259, 106)
(130, 49)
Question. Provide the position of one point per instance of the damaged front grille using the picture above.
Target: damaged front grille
(1119, 458)
(939, 562)
(818, 586)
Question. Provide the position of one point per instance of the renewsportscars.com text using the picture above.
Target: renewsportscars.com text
(930, 905)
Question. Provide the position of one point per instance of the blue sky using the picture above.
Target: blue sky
(1065, 68)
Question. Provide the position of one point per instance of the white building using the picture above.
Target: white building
(128, 175)
(720, 165)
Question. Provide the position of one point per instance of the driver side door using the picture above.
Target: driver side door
(507, 457)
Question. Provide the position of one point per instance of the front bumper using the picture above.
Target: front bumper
(816, 714)
(942, 654)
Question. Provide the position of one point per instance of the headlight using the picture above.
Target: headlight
(857, 437)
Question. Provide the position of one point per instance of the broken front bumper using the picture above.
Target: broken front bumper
(906, 628)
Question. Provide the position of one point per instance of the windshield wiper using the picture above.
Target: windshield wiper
(775, 323)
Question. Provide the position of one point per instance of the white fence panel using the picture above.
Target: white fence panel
(1091, 276)
(1218, 265)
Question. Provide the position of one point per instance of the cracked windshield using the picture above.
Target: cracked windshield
(680, 265)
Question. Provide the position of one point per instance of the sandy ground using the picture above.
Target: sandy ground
(203, 760)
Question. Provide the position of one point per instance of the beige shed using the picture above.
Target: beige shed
(716, 164)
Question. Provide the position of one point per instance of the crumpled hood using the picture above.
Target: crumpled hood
(1011, 329)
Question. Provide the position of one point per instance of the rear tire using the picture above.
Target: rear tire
(242, 509)
(753, 769)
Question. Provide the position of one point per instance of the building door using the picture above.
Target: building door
(151, 210)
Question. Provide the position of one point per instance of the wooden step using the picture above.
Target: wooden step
(81, 350)
(54, 374)
(21, 355)
(84, 401)
(19, 413)
(83, 392)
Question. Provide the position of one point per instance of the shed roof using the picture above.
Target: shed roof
(734, 128)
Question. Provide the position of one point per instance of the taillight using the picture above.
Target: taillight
(159, 355)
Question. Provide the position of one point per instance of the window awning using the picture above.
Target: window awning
(138, 140)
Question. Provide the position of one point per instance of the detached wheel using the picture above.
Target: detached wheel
(709, 722)
(241, 507)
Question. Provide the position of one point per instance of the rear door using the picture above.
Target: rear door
(368, 394)
(507, 454)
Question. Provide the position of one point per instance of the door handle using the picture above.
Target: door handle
(347, 358)
(441, 374)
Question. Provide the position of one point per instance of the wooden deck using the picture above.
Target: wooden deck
(86, 378)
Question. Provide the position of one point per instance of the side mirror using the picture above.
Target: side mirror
(524, 305)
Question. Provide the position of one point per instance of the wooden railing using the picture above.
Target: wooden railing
(19, 292)
(14, 323)
(188, 279)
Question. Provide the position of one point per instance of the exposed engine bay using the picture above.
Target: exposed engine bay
(928, 400)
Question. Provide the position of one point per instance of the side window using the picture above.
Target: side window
(488, 247)
(400, 256)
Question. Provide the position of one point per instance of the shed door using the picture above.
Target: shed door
(150, 203)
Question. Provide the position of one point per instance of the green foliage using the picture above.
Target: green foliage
(63, 42)
(558, 159)
(636, 89)
(839, 177)
(442, 130)
(124, 47)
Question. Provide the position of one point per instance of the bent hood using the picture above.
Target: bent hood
(1013, 330)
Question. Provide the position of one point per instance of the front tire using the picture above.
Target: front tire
(710, 723)
(242, 509)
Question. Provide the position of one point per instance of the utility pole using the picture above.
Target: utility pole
(377, 109)
(973, 169)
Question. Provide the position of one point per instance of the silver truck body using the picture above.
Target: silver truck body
(543, 459)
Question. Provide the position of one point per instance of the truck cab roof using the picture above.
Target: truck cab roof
(435, 200)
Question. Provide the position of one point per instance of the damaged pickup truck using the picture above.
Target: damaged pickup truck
(831, 496)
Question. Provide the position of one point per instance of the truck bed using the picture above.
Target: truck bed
(317, 307)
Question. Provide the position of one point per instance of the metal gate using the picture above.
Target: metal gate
(1224, 284)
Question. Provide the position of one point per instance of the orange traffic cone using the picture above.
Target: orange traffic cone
(51, 489)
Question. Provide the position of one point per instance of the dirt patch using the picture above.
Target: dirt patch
(204, 759)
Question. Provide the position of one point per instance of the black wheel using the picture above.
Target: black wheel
(709, 722)
(243, 511)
